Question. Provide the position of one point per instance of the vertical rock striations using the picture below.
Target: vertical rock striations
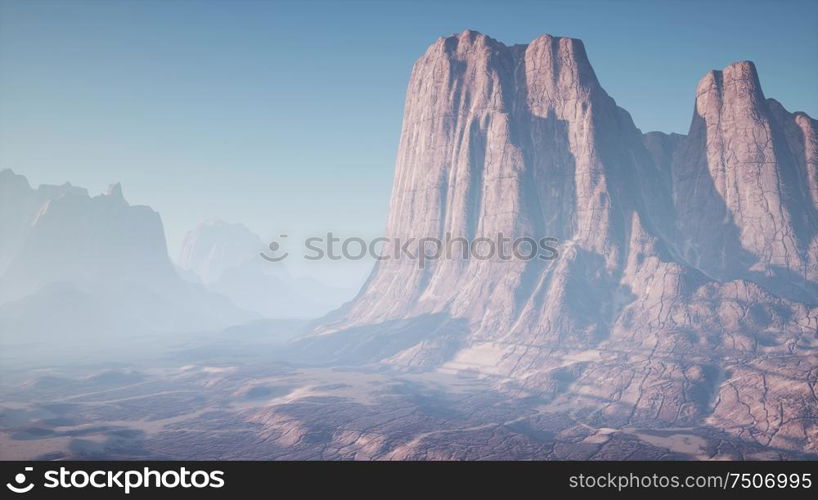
(747, 167)
(686, 287)
(518, 141)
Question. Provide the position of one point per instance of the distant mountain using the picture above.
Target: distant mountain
(75, 266)
(225, 258)
(686, 290)
(19, 205)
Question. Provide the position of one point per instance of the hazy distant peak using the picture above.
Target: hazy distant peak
(115, 191)
(215, 245)
(10, 181)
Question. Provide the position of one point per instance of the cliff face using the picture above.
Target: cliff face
(748, 168)
(686, 285)
(519, 141)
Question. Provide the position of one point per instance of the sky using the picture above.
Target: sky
(285, 116)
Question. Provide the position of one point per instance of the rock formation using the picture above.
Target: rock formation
(686, 289)
(96, 267)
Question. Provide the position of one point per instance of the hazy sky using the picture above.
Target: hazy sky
(286, 115)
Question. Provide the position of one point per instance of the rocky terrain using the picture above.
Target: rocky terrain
(263, 411)
(686, 290)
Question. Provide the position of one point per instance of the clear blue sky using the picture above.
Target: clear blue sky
(286, 115)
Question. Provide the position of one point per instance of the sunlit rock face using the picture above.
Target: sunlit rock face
(686, 288)
(748, 167)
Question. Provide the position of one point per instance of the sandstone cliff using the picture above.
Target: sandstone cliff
(686, 290)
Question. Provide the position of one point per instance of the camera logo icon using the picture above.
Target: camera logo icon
(20, 480)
